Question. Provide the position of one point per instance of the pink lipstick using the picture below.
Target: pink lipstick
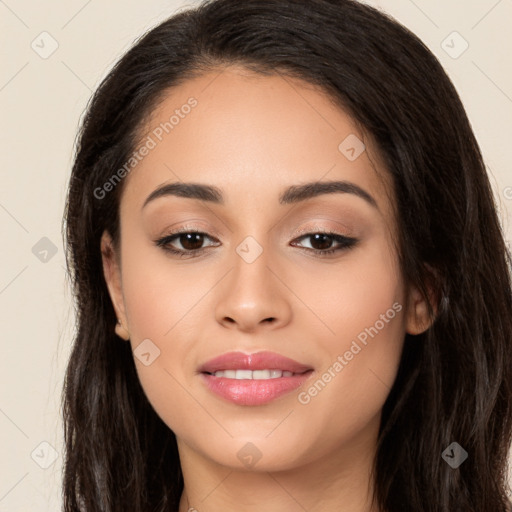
(253, 379)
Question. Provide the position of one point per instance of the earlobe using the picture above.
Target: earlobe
(112, 274)
(417, 315)
(418, 319)
(121, 331)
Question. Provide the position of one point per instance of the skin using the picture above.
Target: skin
(253, 136)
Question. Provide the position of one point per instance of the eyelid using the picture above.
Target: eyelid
(213, 232)
(193, 228)
(317, 229)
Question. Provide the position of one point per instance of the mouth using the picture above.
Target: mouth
(253, 374)
(253, 379)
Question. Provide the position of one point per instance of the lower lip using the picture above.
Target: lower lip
(253, 391)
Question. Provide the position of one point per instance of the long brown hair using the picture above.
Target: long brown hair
(454, 382)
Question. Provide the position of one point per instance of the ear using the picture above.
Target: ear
(417, 319)
(112, 273)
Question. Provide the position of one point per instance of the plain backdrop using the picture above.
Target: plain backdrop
(42, 97)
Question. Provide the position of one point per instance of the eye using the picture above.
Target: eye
(192, 242)
(322, 242)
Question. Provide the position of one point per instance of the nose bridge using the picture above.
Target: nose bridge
(252, 294)
(251, 275)
(251, 268)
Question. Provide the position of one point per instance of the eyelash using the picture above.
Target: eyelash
(344, 241)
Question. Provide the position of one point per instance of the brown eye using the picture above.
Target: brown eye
(321, 243)
(191, 241)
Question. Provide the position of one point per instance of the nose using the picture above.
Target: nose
(253, 296)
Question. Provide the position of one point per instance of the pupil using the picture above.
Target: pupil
(326, 241)
(188, 242)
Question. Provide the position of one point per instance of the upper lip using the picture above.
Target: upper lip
(256, 361)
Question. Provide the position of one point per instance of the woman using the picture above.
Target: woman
(292, 287)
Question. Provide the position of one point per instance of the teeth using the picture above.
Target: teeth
(243, 374)
(261, 374)
(256, 374)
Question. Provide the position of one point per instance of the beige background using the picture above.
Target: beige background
(41, 103)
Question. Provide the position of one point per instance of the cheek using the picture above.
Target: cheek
(361, 309)
(351, 295)
(160, 293)
(161, 303)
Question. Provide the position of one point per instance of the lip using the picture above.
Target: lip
(258, 361)
(250, 391)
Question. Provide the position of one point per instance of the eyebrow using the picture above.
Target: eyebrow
(291, 195)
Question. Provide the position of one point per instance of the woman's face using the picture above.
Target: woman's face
(252, 282)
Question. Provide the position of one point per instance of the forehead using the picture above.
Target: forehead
(250, 135)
